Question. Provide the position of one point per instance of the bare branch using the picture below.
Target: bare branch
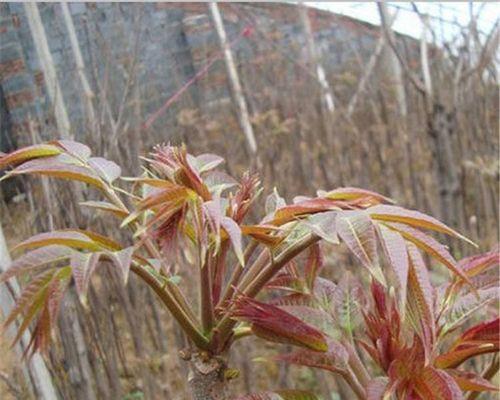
(369, 69)
(392, 42)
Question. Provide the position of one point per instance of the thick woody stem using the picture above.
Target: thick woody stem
(206, 377)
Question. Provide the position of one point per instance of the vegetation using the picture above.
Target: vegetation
(184, 211)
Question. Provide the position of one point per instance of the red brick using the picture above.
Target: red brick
(19, 99)
(11, 68)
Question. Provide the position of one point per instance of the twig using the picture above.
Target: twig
(13, 387)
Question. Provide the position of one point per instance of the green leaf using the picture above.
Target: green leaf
(78, 239)
(28, 153)
(347, 301)
(58, 167)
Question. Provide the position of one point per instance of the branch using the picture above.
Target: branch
(392, 42)
(487, 53)
(369, 68)
(223, 330)
(178, 313)
(206, 303)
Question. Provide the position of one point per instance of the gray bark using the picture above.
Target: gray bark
(206, 378)
(49, 71)
(233, 78)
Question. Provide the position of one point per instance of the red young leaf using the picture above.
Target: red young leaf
(106, 169)
(28, 294)
(35, 259)
(75, 149)
(480, 339)
(234, 233)
(475, 265)
(58, 167)
(465, 306)
(122, 259)
(431, 247)
(420, 299)
(388, 213)
(274, 324)
(314, 264)
(335, 359)
(376, 388)
(395, 249)
(265, 234)
(350, 193)
(469, 381)
(307, 207)
(206, 162)
(355, 228)
(434, 384)
(56, 290)
(79, 239)
(83, 266)
(324, 225)
(67, 238)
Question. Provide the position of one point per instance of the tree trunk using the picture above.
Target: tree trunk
(80, 66)
(48, 68)
(206, 377)
(234, 79)
(440, 129)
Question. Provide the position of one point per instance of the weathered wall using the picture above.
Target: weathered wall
(171, 42)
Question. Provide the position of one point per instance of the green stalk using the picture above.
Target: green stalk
(177, 312)
(354, 384)
(225, 326)
(169, 293)
(357, 366)
(206, 304)
(237, 273)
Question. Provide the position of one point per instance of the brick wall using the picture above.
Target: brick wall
(176, 39)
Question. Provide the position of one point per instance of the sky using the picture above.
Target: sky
(408, 22)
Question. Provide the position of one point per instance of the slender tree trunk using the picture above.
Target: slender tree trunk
(315, 59)
(49, 71)
(206, 378)
(75, 350)
(80, 67)
(392, 64)
(234, 79)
